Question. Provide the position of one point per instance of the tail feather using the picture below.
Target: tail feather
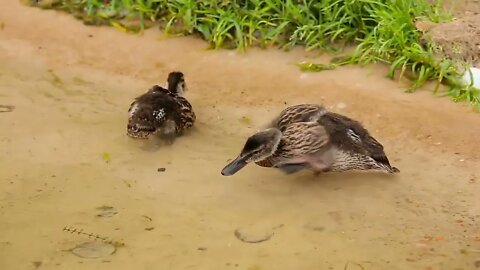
(389, 168)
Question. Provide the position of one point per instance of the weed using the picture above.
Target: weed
(383, 30)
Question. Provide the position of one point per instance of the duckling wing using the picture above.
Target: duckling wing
(295, 114)
(349, 135)
(188, 116)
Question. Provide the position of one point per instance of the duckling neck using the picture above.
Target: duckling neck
(272, 139)
(176, 88)
(267, 160)
(265, 163)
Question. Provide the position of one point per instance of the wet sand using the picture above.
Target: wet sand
(71, 86)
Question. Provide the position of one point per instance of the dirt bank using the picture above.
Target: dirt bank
(460, 38)
(71, 86)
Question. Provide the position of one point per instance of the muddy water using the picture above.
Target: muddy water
(65, 157)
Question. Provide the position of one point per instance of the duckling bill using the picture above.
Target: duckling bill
(307, 136)
(162, 111)
(258, 147)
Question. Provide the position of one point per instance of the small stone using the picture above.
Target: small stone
(93, 249)
(161, 169)
(255, 234)
(316, 228)
(202, 248)
(106, 211)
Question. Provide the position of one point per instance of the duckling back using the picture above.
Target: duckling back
(297, 113)
(159, 111)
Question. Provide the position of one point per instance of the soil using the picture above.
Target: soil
(67, 162)
(463, 7)
(459, 39)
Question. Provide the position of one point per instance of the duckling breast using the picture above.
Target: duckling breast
(267, 163)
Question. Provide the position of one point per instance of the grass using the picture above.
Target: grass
(383, 30)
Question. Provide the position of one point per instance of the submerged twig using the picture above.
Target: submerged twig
(94, 236)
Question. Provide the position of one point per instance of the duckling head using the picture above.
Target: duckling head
(258, 147)
(176, 83)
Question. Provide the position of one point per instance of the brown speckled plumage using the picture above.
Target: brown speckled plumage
(298, 140)
(264, 163)
(297, 113)
(310, 137)
(355, 147)
(161, 111)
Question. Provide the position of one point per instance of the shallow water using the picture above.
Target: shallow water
(65, 156)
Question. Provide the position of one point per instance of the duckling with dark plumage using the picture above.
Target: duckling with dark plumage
(161, 111)
(307, 136)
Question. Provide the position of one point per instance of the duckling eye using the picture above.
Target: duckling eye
(258, 150)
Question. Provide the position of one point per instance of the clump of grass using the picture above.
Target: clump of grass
(383, 30)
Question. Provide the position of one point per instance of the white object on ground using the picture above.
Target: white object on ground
(472, 77)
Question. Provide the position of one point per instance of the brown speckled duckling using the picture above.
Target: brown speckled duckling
(307, 136)
(161, 111)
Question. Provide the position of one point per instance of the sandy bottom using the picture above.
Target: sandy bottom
(66, 160)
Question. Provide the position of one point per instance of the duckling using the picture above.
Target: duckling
(301, 145)
(162, 111)
(307, 136)
(358, 150)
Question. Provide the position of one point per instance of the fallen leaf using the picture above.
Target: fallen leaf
(106, 157)
(119, 26)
